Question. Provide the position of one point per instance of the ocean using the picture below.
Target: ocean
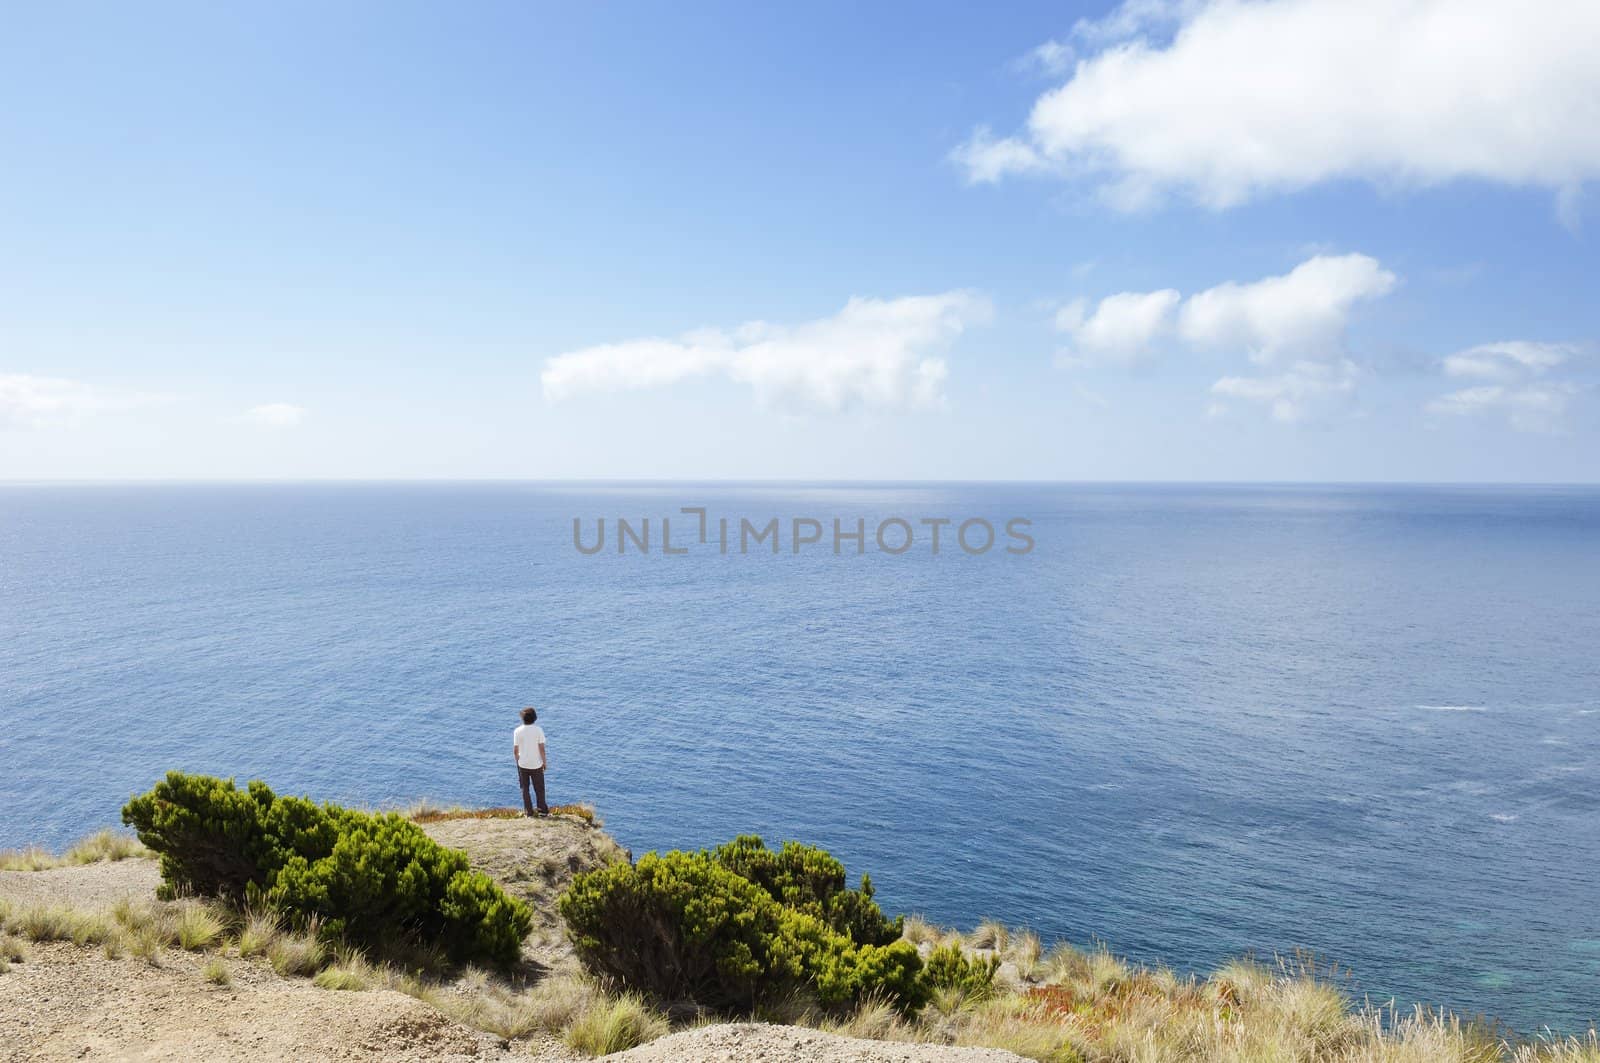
(1190, 722)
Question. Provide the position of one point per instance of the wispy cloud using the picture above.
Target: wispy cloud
(874, 352)
(1241, 99)
(1052, 58)
(1520, 391)
(276, 415)
(36, 401)
(1508, 360)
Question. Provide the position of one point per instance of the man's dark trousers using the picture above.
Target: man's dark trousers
(535, 776)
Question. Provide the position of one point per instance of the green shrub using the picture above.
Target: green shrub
(370, 878)
(948, 967)
(811, 880)
(688, 927)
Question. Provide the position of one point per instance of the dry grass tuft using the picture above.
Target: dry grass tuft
(297, 955)
(918, 931)
(217, 972)
(107, 845)
(197, 927)
(349, 972)
(258, 931)
(615, 1025)
(102, 845)
(29, 859)
(58, 923)
(988, 935)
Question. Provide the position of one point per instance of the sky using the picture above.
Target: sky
(1304, 240)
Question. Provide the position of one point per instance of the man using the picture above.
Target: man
(527, 748)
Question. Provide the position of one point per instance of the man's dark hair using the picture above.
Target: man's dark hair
(529, 714)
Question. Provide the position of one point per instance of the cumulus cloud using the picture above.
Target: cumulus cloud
(276, 415)
(1122, 328)
(874, 352)
(1301, 314)
(1519, 393)
(987, 159)
(1250, 98)
(33, 401)
(1293, 325)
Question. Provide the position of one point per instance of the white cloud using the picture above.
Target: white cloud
(1250, 98)
(1518, 393)
(276, 415)
(1135, 18)
(1290, 395)
(1534, 408)
(1052, 57)
(1293, 324)
(874, 352)
(986, 159)
(33, 401)
(1122, 328)
(1507, 360)
(1301, 314)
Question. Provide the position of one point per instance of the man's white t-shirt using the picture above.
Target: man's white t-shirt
(528, 738)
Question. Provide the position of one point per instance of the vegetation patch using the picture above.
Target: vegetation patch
(363, 877)
(740, 927)
(425, 813)
(103, 845)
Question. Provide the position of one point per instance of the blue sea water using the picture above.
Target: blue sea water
(1192, 722)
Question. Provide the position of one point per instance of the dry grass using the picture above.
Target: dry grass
(299, 955)
(1090, 1006)
(29, 859)
(257, 932)
(58, 923)
(198, 927)
(918, 930)
(217, 972)
(615, 1025)
(103, 845)
(570, 1008)
(348, 972)
(427, 812)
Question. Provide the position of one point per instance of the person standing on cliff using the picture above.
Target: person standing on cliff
(527, 748)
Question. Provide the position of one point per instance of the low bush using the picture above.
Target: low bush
(691, 927)
(811, 880)
(947, 967)
(369, 878)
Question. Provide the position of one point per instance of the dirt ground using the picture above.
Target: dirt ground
(73, 1002)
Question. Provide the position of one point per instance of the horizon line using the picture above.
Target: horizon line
(353, 481)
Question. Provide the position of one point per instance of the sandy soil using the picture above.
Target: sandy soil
(68, 1002)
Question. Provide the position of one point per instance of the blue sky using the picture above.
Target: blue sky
(830, 241)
